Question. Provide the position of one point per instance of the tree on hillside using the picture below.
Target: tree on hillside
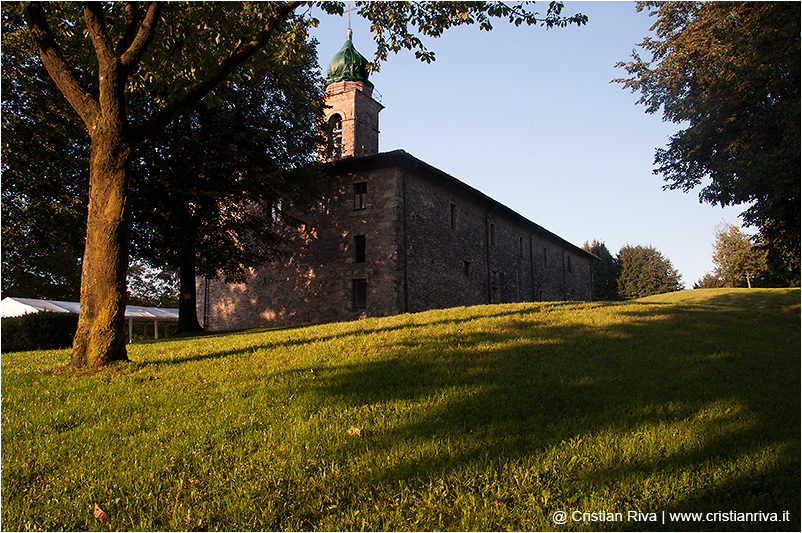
(218, 174)
(731, 72)
(738, 260)
(708, 281)
(173, 55)
(645, 271)
(231, 151)
(605, 271)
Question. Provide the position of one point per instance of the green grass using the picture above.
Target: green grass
(480, 418)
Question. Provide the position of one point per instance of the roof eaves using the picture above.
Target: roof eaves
(405, 159)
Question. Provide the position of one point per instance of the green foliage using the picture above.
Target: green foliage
(216, 176)
(152, 287)
(397, 25)
(483, 418)
(605, 271)
(38, 331)
(44, 175)
(230, 173)
(738, 260)
(645, 271)
(708, 281)
(730, 74)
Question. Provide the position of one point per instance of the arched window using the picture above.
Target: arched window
(334, 137)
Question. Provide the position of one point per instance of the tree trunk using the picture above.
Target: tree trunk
(100, 337)
(187, 303)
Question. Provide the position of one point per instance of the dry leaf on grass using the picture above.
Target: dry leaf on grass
(100, 514)
(354, 432)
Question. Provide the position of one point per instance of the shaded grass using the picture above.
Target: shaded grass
(481, 418)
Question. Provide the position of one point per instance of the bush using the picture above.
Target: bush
(38, 331)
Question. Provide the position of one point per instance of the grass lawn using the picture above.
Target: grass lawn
(480, 418)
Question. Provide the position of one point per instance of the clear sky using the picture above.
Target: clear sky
(529, 117)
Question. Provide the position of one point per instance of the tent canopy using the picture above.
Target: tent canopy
(22, 306)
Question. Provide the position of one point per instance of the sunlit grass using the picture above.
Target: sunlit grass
(482, 418)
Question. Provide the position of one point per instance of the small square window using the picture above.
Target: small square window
(359, 249)
(360, 196)
(466, 268)
(359, 294)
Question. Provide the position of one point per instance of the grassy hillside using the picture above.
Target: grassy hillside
(480, 418)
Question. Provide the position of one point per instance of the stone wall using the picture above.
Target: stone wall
(429, 240)
(446, 259)
(463, 250)
(314, 282)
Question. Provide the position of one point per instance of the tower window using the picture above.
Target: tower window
(492, 234)
(359, 293)
(466, 268)
(545, 258)
(360, 196)
(359, 249)
(453, 216)
(569, 263)
(520, 246)
(334, 137)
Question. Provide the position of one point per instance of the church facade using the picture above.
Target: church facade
(393, 234)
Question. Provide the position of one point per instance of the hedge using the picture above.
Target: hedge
(38, 331)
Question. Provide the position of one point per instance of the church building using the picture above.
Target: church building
(393, 234)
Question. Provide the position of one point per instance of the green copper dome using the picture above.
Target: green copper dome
(348, 64)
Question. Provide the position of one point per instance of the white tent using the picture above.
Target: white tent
(23, 306)
(133, 313)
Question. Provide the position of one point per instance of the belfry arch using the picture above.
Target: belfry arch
(351, 100)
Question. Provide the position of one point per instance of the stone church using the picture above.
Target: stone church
(393, 235)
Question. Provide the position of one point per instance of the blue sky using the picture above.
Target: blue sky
(529, 117)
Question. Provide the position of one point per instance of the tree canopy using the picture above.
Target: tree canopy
(212, 192)
(605, 271)
(738, 260)
(645, 271)
(729, 72)
(708, 281)
(44, 174)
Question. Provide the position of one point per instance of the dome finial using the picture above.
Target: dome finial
(348, 64)
(350, 8)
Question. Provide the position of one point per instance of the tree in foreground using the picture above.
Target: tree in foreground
(738, 260)
(644, 272)
(605, 271)
(175, 54)
(730, 71)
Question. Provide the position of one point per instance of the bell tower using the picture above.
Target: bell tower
(352, 112)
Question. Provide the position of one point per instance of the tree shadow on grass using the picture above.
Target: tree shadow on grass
(527, 388)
